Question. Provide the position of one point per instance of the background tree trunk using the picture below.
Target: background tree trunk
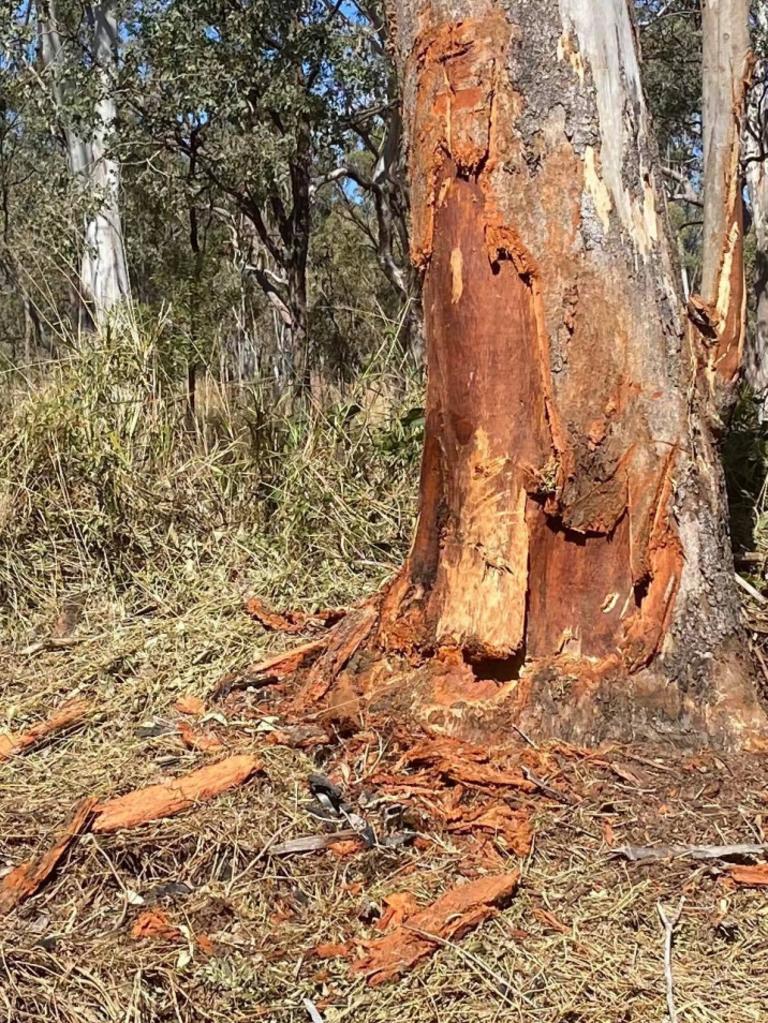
(104, 277)
(756, 362)
(572, 536)
(104, 272)
(725, 42)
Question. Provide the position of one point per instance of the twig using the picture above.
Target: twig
(655, 853)
(312, 1011)
(669, 924)
(750, 589)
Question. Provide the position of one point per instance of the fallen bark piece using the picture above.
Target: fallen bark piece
(331, 950)
(462, 762)
(654, 853)
(28, 877)
(201, 742)
(499, 818)
(750, 876)
(174, 796)
(154, 923)
(449, 918)
(400, 905)
(292, 621)
(190, 705)
(69, 714)
(272, 670)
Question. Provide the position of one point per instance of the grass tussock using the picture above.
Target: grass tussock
(111, 491)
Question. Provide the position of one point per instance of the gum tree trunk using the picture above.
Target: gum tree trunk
(571, 570)
(104, 271)
(725, 74)
(104, 280)
(756, 362)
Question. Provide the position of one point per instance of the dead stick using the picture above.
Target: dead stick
(654, 853)
(669, 924)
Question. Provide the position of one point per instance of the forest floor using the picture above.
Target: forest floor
(213, 914)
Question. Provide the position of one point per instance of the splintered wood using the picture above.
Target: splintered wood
(421, 933)
(28, 877)
(69, 715)
(174, 796)
(292, 621)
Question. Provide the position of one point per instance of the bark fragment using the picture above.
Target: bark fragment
(452, 916)
(174, 796)
(26, 879)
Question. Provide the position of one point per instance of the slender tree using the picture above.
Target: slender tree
(756, 168)
(570, 571)
(726, 56)
(103, 280)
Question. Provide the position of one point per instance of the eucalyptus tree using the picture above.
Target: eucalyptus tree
(79, 54)
(570, 571)
(264, 101)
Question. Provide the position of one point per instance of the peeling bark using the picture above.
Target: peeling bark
(570, 571)
(726, 70)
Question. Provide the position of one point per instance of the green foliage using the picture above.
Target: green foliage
(106, 485)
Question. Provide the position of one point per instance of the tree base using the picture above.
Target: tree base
(359, 677)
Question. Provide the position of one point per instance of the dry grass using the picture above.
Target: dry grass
(316, 513)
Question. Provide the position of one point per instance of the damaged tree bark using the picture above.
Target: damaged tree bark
(726, 68)
(571, 572)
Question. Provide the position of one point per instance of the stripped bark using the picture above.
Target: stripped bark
(726, 68)
(570, 570)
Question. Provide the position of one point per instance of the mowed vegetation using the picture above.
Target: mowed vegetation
(199, 447)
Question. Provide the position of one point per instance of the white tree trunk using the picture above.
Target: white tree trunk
(104, 271)
(756, 153)
(104, 280)
(725, 41)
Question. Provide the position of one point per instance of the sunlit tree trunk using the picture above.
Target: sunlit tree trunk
(571, 566)
(726, 54)
(104, 280)
(104, 272)
(756, 362)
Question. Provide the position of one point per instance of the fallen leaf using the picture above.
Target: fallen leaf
(174, 796)
(154, 923)
(191, 705)
(69, 714)
(754, 876)
(449, 918)
(28, 877)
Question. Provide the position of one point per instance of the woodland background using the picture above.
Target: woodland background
(254, 415)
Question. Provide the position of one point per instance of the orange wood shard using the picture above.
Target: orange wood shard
(174, 796)
(453, 915)
(292, 621)
(190, 705)
(28, 877)
(154, 923)
(69, 714)
(202, 742)
(273, 669)
(751, 876)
